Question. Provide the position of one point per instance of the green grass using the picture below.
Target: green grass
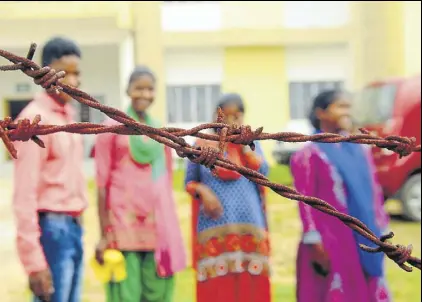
(278, 174)
(285, 231)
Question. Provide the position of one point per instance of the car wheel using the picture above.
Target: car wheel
(410, 196)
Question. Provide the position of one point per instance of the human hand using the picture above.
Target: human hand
(41, 284)
(211, 203)
(320, 259)
(100, 249)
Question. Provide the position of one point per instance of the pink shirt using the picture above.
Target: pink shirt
(48, 180)
(142, 210)
(130, 193)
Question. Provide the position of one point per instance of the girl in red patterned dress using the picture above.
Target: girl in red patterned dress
(230, 234)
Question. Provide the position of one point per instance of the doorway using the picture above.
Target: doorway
(12, 108)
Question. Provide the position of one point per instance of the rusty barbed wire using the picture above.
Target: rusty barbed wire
(24, 130)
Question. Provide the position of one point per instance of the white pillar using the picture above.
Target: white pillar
(126, 65)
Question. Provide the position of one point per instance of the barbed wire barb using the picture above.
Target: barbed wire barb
(24, 130)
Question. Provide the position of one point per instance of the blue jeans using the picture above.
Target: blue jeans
(61, 239)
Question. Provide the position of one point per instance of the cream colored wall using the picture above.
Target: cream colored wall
(379, 48)
(318, 63)
(24, 10)
(194, 66)
(259, 75)
(149, 49)
(412, 33)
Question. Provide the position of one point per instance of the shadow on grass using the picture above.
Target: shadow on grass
(402, 219)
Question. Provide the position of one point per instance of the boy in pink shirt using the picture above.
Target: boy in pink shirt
(50, 192)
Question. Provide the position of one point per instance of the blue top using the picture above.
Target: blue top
(240, 199)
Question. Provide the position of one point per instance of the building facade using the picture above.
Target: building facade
(276, 54)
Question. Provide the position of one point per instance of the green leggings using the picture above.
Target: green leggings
(142, 283)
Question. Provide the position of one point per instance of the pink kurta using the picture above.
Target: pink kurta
(46, 179)
(314, 175)
(142, 211)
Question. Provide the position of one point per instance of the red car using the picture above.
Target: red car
(393, 107)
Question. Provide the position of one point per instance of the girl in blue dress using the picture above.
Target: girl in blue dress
(230, 238)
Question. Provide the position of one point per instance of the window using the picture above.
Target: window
(314, 14)
(179, 16)
(301, 95)
(14, 107)
(96, 116)
(374, 104)
(87, 114)
(90, 115)
(191, 104)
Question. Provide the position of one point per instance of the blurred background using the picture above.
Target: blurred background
(276, 54)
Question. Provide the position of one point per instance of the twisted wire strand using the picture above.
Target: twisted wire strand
(24, 130)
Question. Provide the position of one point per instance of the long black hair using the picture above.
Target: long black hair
(322, 101)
